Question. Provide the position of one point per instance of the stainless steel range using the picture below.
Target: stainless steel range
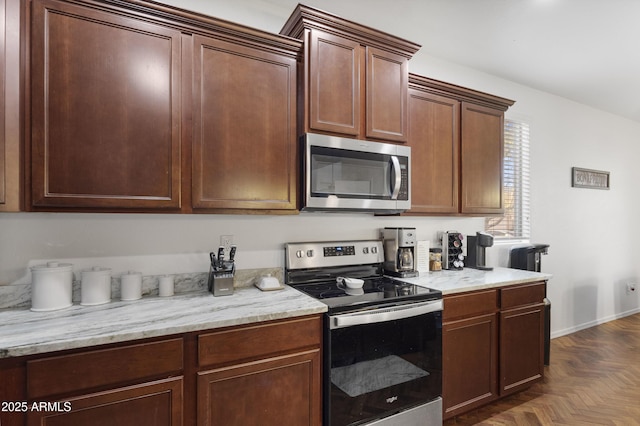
(382, 336)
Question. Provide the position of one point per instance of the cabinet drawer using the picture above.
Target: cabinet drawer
(258, 341)
(87, 370)
(522, 295)
(470, 304)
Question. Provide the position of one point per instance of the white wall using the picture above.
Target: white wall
(592, 233)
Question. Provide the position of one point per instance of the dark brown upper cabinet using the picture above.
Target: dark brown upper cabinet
(456, 139)
(105, 109)
(355, 78)
(244, 141)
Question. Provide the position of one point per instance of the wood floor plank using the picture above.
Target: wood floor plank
(593, 379)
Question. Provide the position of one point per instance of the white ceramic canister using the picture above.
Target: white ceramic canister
(96, 286)
(165, 285)
(131, 285)
(51, 286)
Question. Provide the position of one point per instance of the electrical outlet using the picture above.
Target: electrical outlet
(631, 288)
(226, 241)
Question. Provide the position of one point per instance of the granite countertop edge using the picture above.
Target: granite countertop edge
(23, 332)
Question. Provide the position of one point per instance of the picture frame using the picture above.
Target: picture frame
(588, 178)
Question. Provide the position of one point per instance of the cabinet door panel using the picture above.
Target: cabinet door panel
(277, 391)
(481, 165)
(155, 403)
(521, 348)
(434, 137)
(244, 148)
(469, 366)
(387, 83)
(105, 110)
(334, 84)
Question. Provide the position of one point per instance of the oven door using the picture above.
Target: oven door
(349, 174)
(381, 362)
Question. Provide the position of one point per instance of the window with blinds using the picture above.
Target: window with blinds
(514, 224)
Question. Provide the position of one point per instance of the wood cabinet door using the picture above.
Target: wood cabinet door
(434, 137)
(105, 110)
(386, 95)
(283, 390)
(521, 348)
(10, 110)
(334, 83)
(469, 363)
(481, 160)
(244, 140)
(156, 403)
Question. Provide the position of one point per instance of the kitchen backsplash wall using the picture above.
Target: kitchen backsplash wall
(180, 244)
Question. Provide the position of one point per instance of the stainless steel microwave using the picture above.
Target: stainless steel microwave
(343, 174)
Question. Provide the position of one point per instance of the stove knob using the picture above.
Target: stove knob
(365, 250)
(309, 253)
(299, 254)
(374, 250)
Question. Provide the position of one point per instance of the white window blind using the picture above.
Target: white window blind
(514, 224)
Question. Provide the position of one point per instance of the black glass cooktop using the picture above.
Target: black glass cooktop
(374, 292)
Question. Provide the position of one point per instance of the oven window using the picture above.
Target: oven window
(350, 174)
(379, 369)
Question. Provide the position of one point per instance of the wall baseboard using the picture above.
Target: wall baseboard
(590, 324)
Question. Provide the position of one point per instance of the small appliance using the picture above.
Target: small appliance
(343, 174)
(476, 250)
(452, 257)
(399, 252)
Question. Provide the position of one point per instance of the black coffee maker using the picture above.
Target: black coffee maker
(476, 250)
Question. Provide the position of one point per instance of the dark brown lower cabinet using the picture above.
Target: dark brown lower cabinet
(155, 403)
(492, 343)
(470, 351)
(256, 374)
(522, 339)
(275, 391)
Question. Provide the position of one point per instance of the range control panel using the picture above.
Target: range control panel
(333, 253)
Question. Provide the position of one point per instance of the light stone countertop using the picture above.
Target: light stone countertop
(23, 332)
(468, 279)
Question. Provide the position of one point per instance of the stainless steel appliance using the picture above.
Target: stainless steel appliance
(528, 258)
(382, 342)
(476, 250)
(355, 175)
(399, 252)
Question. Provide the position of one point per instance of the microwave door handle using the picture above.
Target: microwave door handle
(397, 178)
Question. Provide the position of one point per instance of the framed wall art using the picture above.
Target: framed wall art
(587, 178)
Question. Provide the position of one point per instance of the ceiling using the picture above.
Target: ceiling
(584, 50)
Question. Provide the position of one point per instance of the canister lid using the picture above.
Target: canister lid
(97, 270)
(52, 266)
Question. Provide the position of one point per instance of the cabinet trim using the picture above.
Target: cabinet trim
(305, 17)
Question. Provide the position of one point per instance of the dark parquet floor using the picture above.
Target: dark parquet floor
(593, 379)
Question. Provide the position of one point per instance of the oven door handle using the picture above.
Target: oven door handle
(384, 314)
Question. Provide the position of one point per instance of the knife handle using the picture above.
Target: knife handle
(232, 253)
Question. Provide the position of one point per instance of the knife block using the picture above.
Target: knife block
(221, 281)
